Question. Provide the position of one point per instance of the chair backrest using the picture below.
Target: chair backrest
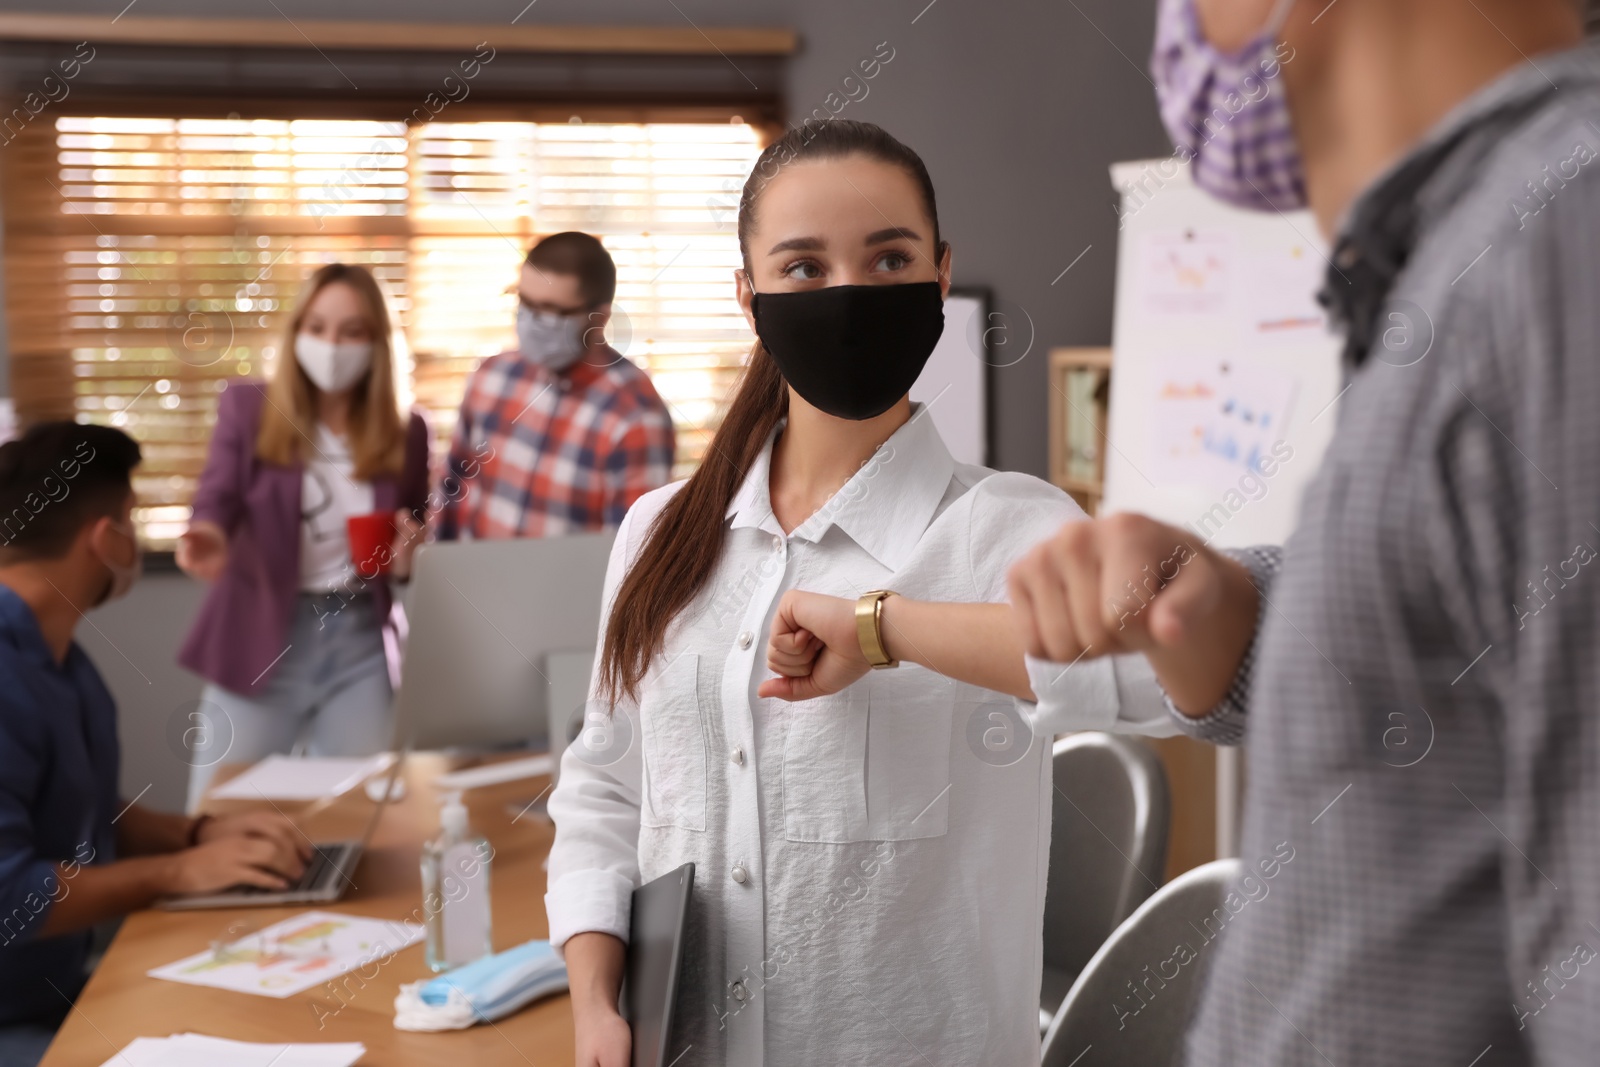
(1108, 842)
(1133, 1002)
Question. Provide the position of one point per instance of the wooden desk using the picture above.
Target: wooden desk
(121, 1003)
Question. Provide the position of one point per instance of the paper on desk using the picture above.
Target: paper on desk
(197, 1050)
(497, 773)
(294, 955)
(301, 777)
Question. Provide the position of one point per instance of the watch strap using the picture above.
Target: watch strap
(869, 628)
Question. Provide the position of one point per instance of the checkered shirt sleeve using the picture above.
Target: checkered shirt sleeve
(1225, 723)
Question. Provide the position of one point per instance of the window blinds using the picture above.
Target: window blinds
(150, 259)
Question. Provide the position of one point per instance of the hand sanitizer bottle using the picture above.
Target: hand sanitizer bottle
(455, 890)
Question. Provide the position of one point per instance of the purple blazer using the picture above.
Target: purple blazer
(244, 622)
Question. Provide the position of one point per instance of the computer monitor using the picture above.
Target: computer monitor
(487, 618)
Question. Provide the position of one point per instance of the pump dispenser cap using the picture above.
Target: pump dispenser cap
(453, 816)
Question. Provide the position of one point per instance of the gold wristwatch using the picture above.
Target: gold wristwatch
(869, 628)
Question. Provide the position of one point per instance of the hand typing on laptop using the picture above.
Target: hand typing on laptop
(265, 859)
(171, 856)
(258, 848)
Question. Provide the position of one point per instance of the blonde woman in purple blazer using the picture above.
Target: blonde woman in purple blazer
(293, 638)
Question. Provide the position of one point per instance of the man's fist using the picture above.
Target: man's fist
(1127, 583)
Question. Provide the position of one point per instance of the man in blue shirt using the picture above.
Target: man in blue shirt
(71, 853)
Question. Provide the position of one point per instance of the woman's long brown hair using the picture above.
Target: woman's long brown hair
(289, 421)
(683, 544)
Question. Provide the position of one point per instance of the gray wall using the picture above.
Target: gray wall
(134, 642)
(1018, 107)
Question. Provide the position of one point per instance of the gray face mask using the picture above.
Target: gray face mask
(557, 341)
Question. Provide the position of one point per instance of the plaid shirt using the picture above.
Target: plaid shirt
(539, 453)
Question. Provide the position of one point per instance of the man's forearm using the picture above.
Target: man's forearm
(92, 894)
(143, 832)
(1198, 673)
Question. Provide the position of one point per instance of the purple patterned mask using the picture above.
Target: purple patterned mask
(1229, 114)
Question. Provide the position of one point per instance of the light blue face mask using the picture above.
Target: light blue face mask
(556, 341)
(485, 990)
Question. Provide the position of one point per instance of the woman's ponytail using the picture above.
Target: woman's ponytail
(685, 541)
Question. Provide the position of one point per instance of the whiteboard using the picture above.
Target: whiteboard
(1225, 374)
(955, 380)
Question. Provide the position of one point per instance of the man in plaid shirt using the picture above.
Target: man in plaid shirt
(563, 434)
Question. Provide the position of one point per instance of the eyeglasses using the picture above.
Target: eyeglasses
(543, 308)
(264, 947)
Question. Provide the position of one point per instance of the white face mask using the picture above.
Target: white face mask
(557, 341)
(332, 368)
(124, 575)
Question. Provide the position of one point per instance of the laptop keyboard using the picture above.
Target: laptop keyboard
(324, 861)
(325, 865)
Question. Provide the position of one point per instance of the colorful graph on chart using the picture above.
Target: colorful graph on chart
(295, 950)
(1187, 273)
(293, 955)
(1215, 419)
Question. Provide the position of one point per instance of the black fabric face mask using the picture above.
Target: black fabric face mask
(851, 350)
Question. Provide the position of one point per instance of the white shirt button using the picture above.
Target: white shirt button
(736, 757)
(740, 993)
(746, 639)
(777, 542)
(740, 875)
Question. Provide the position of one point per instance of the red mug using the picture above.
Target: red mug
(371, 543)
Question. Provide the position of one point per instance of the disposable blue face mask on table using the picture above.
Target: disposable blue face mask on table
(482, 991)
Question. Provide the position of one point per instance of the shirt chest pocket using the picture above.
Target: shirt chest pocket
(674, 747)
(871, 763)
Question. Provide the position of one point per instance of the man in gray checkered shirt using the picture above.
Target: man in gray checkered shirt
(1417, 672)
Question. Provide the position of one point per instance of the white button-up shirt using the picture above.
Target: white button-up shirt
(869, 866)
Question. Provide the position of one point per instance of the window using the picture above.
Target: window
(148, 260)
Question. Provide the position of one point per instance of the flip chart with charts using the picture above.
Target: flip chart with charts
(1224, 368)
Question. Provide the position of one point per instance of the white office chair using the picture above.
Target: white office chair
(1108, 847)
(1102, 1022)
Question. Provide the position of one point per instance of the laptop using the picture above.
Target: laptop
(655, 952)
(326, 876)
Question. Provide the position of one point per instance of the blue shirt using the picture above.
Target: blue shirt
(58, 796)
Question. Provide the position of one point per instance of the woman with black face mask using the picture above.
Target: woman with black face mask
(869, 844)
